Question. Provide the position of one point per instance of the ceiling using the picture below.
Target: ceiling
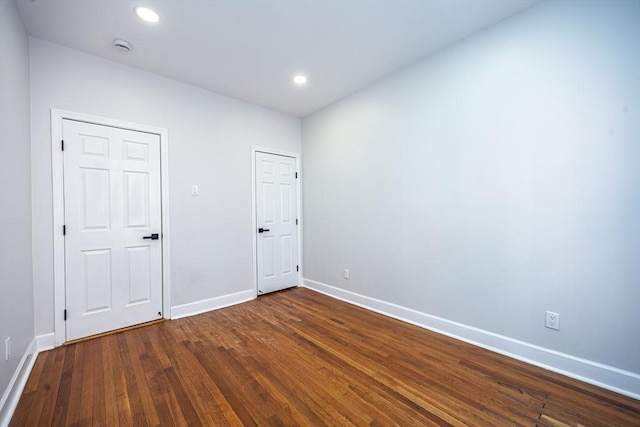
(250, 49)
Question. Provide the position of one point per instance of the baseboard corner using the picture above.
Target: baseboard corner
(45, 342)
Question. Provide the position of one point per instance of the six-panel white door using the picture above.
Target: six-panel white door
(112, 202)
(277, 233)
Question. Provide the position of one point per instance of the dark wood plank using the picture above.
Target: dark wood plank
(300, 358)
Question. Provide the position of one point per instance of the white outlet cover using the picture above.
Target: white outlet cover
(552, 320)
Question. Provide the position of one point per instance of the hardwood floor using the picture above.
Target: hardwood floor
(300, 358)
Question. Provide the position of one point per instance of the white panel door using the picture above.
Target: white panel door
(276, 208)
(113, 263)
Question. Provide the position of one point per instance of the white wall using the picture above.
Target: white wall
(209, 144)
(16, 282)
(493, 181)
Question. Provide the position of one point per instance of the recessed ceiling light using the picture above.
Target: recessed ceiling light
(147, 14)
(299, 79)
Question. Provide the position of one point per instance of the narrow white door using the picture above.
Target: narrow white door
(277, 233)
(113, 253)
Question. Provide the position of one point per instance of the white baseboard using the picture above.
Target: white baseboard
(608, 377)
(203, 306)
(45, 342)
(13, 392)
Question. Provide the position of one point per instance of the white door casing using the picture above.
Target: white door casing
(276, 207)
(104, 232)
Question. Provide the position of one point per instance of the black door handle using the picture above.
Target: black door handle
(154, 236)
(262, 230)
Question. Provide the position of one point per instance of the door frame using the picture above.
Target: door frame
(57, 172)
(254, 219)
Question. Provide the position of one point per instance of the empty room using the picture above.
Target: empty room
(312, 212)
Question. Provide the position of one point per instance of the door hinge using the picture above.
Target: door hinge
(64, 230)
(296, 174)
(65, 315)
(62, 145)
(297, 268)
(296, 221)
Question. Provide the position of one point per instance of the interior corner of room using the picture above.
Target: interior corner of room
(485, 191)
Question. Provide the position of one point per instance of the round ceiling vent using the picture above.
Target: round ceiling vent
(122, 45)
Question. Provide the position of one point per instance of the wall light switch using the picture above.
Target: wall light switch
(195, 190)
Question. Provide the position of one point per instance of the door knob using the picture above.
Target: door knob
(262, 230)
(154, 236)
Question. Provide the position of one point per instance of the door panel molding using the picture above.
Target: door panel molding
(57, 169)
(254, 221)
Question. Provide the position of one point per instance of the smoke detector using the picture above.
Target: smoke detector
(122, 45)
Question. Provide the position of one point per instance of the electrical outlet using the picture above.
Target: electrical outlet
(346, 274)
(552, 320)
(7, 348)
